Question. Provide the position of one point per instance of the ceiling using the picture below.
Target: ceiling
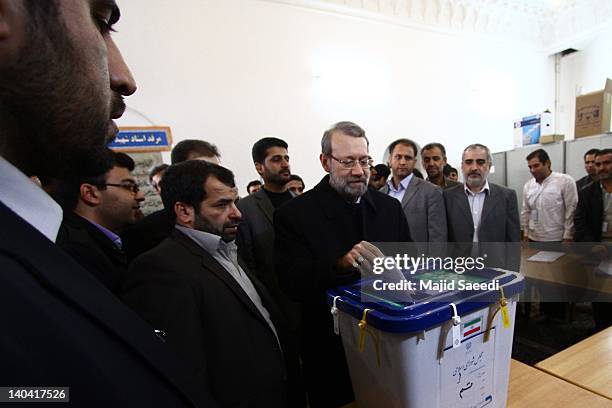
(549, 25)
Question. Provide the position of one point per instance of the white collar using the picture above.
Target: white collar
(484, 188)
(403, 184)
(211, 243)
(29, 201)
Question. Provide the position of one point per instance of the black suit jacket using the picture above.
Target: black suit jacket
(584, 182)
(255, 242)
(61, 327)
(210, 322)
(93, 250)
(499, 231)
(499, 221)
(589, 214)
(147, 233)
(313, 231)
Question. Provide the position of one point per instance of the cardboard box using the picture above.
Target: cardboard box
(529, 129)
(551, 138)
(593, 112)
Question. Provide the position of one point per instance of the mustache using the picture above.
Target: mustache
(353, 179)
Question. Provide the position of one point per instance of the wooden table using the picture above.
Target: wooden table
(587, 364)
(532, 388)
(570, 270)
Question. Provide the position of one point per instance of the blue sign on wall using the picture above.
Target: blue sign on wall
(142, 139)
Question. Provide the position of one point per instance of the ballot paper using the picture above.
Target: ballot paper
(605, 267)
(546, 256)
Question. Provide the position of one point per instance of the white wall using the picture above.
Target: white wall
(583, 72)
(233, 71)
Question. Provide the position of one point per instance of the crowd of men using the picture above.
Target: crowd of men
(214, 301)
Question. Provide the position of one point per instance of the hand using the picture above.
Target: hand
(360, 257)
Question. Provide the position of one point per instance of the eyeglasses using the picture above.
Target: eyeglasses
(364, 162)
(128, 186)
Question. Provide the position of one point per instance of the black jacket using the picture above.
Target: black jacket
(589, 214)
(211, 323)
(147, 233)
(61, 327)
(313, 231)
(255, 242)
(93, 250)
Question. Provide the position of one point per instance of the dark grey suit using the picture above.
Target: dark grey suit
(255, 242)
(499, 221)
(423, 206)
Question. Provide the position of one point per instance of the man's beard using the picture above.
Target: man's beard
(476, 182)
(202, 224)
(347, 191)
(53, 120)
(276, 179)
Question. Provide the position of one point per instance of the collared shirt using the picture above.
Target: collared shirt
(109, 234)
(548, 208)
(226, 253)
(29, 201)
(476, 201)
(399, 192)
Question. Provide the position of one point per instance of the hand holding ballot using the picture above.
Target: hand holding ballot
(361, 257)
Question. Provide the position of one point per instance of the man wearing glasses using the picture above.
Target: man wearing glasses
(322, 242)
(96, 210)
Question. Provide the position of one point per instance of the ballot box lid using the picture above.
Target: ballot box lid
(397, 309)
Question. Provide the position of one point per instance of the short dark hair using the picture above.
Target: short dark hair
(540, 154)
(124, 161)
(260, 148)
(603, 152)
(430, 146)
(591, 151)
(478, 146)
(382, 170)
(156, 170)
(347, 128)
(67, 190)
(405, 142)
(294, 177)
(184, 182)
(188, 147)
(448, 169)
(253, 183)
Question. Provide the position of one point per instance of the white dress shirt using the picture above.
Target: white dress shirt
(29, 201)
(226, 253)
(548, 208)
(399, 192)
(476, 201)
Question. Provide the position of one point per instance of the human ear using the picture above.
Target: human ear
(260, 169)
(325, 162)
(185, 214)
(89, 194)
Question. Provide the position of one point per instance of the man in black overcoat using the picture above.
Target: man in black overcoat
(319, 246)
